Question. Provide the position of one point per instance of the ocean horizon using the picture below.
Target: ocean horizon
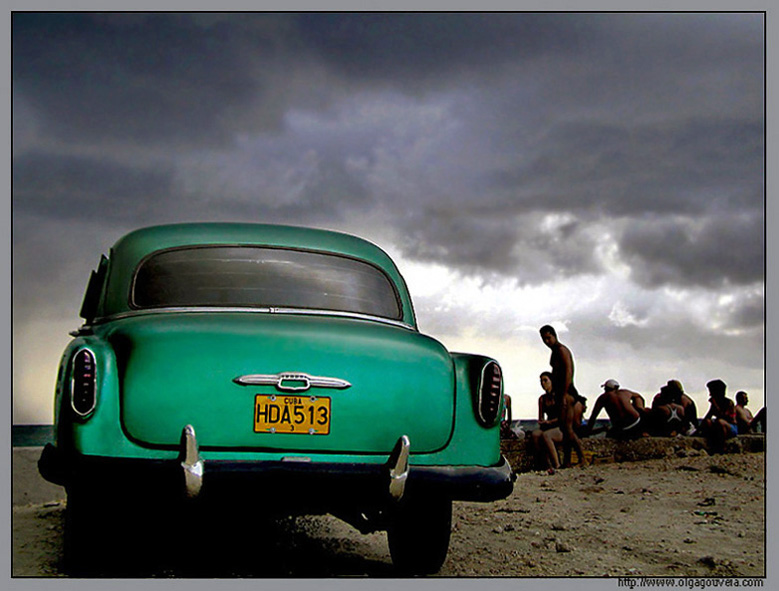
(31, 435)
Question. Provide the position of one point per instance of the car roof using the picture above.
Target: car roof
(132, 248)
(144, 241)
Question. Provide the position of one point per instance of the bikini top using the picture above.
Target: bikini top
(549, 407)
(728, 413)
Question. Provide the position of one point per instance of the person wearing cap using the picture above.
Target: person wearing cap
(719, 424)
(625, 409)
(565, 392)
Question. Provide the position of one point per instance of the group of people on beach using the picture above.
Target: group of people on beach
(561, 411)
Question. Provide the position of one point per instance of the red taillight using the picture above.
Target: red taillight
(490, 393)
(82, 382)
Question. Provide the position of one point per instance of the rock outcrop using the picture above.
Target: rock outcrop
(599, 450)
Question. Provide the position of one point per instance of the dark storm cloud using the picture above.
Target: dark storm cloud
(72, 187)
(520, 247)
(413, 47)
(182, 79)
(749, 313)
(593, 116)
(621, 169)
(158, 79)
(711, 252)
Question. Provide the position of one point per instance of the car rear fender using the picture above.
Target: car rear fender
(98, 432)
(472, 443)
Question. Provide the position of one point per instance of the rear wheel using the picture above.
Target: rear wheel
(87, 534)
(418, 535)
(112, 533)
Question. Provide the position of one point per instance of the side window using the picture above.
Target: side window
(94, 289)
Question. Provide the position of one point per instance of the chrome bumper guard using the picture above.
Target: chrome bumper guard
(191, 463)
(398, 468)
(194, 467)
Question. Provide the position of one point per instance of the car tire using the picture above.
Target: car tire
(85, 542)
(418, 535)
(107, 533)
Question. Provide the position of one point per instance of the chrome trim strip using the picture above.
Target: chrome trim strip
(83, 415)
(481, 390)
(209, 309)
(278, 380)
(338, 313)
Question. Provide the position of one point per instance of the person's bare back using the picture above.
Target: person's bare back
(624, 408)
(620, 408)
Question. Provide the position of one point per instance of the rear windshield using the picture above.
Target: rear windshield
(244, 276)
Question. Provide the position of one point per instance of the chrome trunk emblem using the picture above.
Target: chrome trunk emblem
(292, 381)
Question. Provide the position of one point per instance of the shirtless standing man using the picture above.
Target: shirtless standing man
(565, 392)
(625, 409)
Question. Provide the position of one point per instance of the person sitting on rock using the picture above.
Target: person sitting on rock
(625, 409)
(745, 422)
(505, 421)
(719, 424)
(678, 396)
(548, 434)
(667, 414)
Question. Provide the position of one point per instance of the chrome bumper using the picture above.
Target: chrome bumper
(194, 467)
(352, 483)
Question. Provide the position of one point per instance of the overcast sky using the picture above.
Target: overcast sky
(600, 172)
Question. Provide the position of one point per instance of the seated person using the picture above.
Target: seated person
(668, 417)
(719, 424)
(688, 404)
(745, 422)
(548, 433)
(505, 422)
(625, 409)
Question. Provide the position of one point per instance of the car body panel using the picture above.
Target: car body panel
(180, 369)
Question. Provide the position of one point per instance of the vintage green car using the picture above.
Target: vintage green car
(274, 365)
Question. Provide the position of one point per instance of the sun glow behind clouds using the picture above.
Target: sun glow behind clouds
(499, 317)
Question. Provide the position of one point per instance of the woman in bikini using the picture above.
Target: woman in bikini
(548, 434)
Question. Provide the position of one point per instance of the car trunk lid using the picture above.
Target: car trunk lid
(257, 381)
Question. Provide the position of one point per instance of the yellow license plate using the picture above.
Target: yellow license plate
(305, 415)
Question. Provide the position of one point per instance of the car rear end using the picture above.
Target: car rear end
(251, 364)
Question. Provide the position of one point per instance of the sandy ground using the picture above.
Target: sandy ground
(695, 516)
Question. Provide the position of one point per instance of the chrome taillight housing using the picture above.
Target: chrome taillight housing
(83, 382)
(490, 393)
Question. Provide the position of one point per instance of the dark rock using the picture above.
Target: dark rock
(708, 561)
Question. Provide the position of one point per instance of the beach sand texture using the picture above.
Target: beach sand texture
(683, 516)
